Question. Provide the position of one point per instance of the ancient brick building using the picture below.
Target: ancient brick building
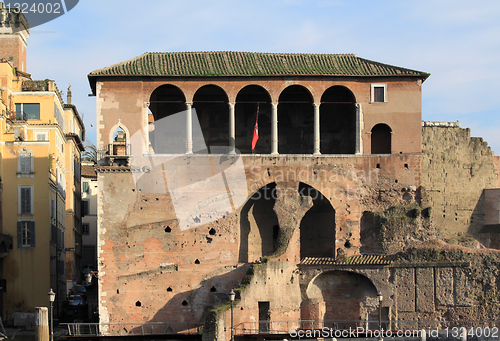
(305, 223)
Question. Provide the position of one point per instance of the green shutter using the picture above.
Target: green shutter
(19, 235)
(32, 230)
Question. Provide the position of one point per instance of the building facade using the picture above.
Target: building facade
(40, 143)
(89, 215)
(306, 220)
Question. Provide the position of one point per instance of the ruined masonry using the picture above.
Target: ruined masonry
(345, 199)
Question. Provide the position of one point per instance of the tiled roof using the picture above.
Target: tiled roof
(88, 171)
(230, 63)
(352, 260)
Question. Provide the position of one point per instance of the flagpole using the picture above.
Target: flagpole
(255, 136)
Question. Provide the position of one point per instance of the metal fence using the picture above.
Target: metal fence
(409, 329)
(117, 329)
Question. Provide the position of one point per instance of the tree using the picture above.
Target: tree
(90, 152)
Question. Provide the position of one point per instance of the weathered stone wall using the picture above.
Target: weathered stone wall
(456, 168)
(153, 270)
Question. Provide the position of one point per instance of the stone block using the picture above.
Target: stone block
(463, 290)
(444, 287)
(405, 279)
(425, 289)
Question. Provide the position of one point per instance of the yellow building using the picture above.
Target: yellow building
(40, 146)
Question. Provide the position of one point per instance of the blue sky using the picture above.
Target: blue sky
(457, 41)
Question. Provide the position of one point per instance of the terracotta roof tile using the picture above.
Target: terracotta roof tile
(230, 63)
(352, 260)
(88, 171)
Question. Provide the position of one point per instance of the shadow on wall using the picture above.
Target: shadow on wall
(186, 311)
(476, 221)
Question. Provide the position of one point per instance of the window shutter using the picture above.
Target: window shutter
(32, 230)
(19, 235)
(85, 187)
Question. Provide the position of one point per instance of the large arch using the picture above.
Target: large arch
(296, 121)
(166, 130)
(338, 121)
(249, 100)
(381, 139)
(317, 227)
(211, 105)
(259, 225)
(353, 292)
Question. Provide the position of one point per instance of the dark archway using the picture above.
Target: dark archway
(296, 121)
(317, 227)
(212, 109)
(250, 99)
(259, 226)
(338, 121)
(167, 132)
(353, 292)
(381, 139)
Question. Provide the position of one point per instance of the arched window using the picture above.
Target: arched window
(167, 131)
(119, 142)
(338, 121)
(317, 227)
(381, 139)
(259, 225)
(251, 99)
(212, 109)
(296, 121)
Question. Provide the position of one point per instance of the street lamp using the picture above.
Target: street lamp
(231, 298)
(380, 298)
(52, 297)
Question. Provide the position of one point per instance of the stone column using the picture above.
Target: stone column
(359, 129)
(274, 128)
(189, 128)
(41, 324)
(232, 134)
(316, 130)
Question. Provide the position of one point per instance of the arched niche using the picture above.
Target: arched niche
(249, 100)
(381, 139)
(340, 298)
(338, 121)
(317, 227)
(166, 120)
(295, 121)
(258, 225)
(212, 110)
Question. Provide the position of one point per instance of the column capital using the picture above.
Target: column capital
(316, 105)
(231, 104)
(189, 103)
(147, 104)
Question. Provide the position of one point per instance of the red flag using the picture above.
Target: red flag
(255, 130)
